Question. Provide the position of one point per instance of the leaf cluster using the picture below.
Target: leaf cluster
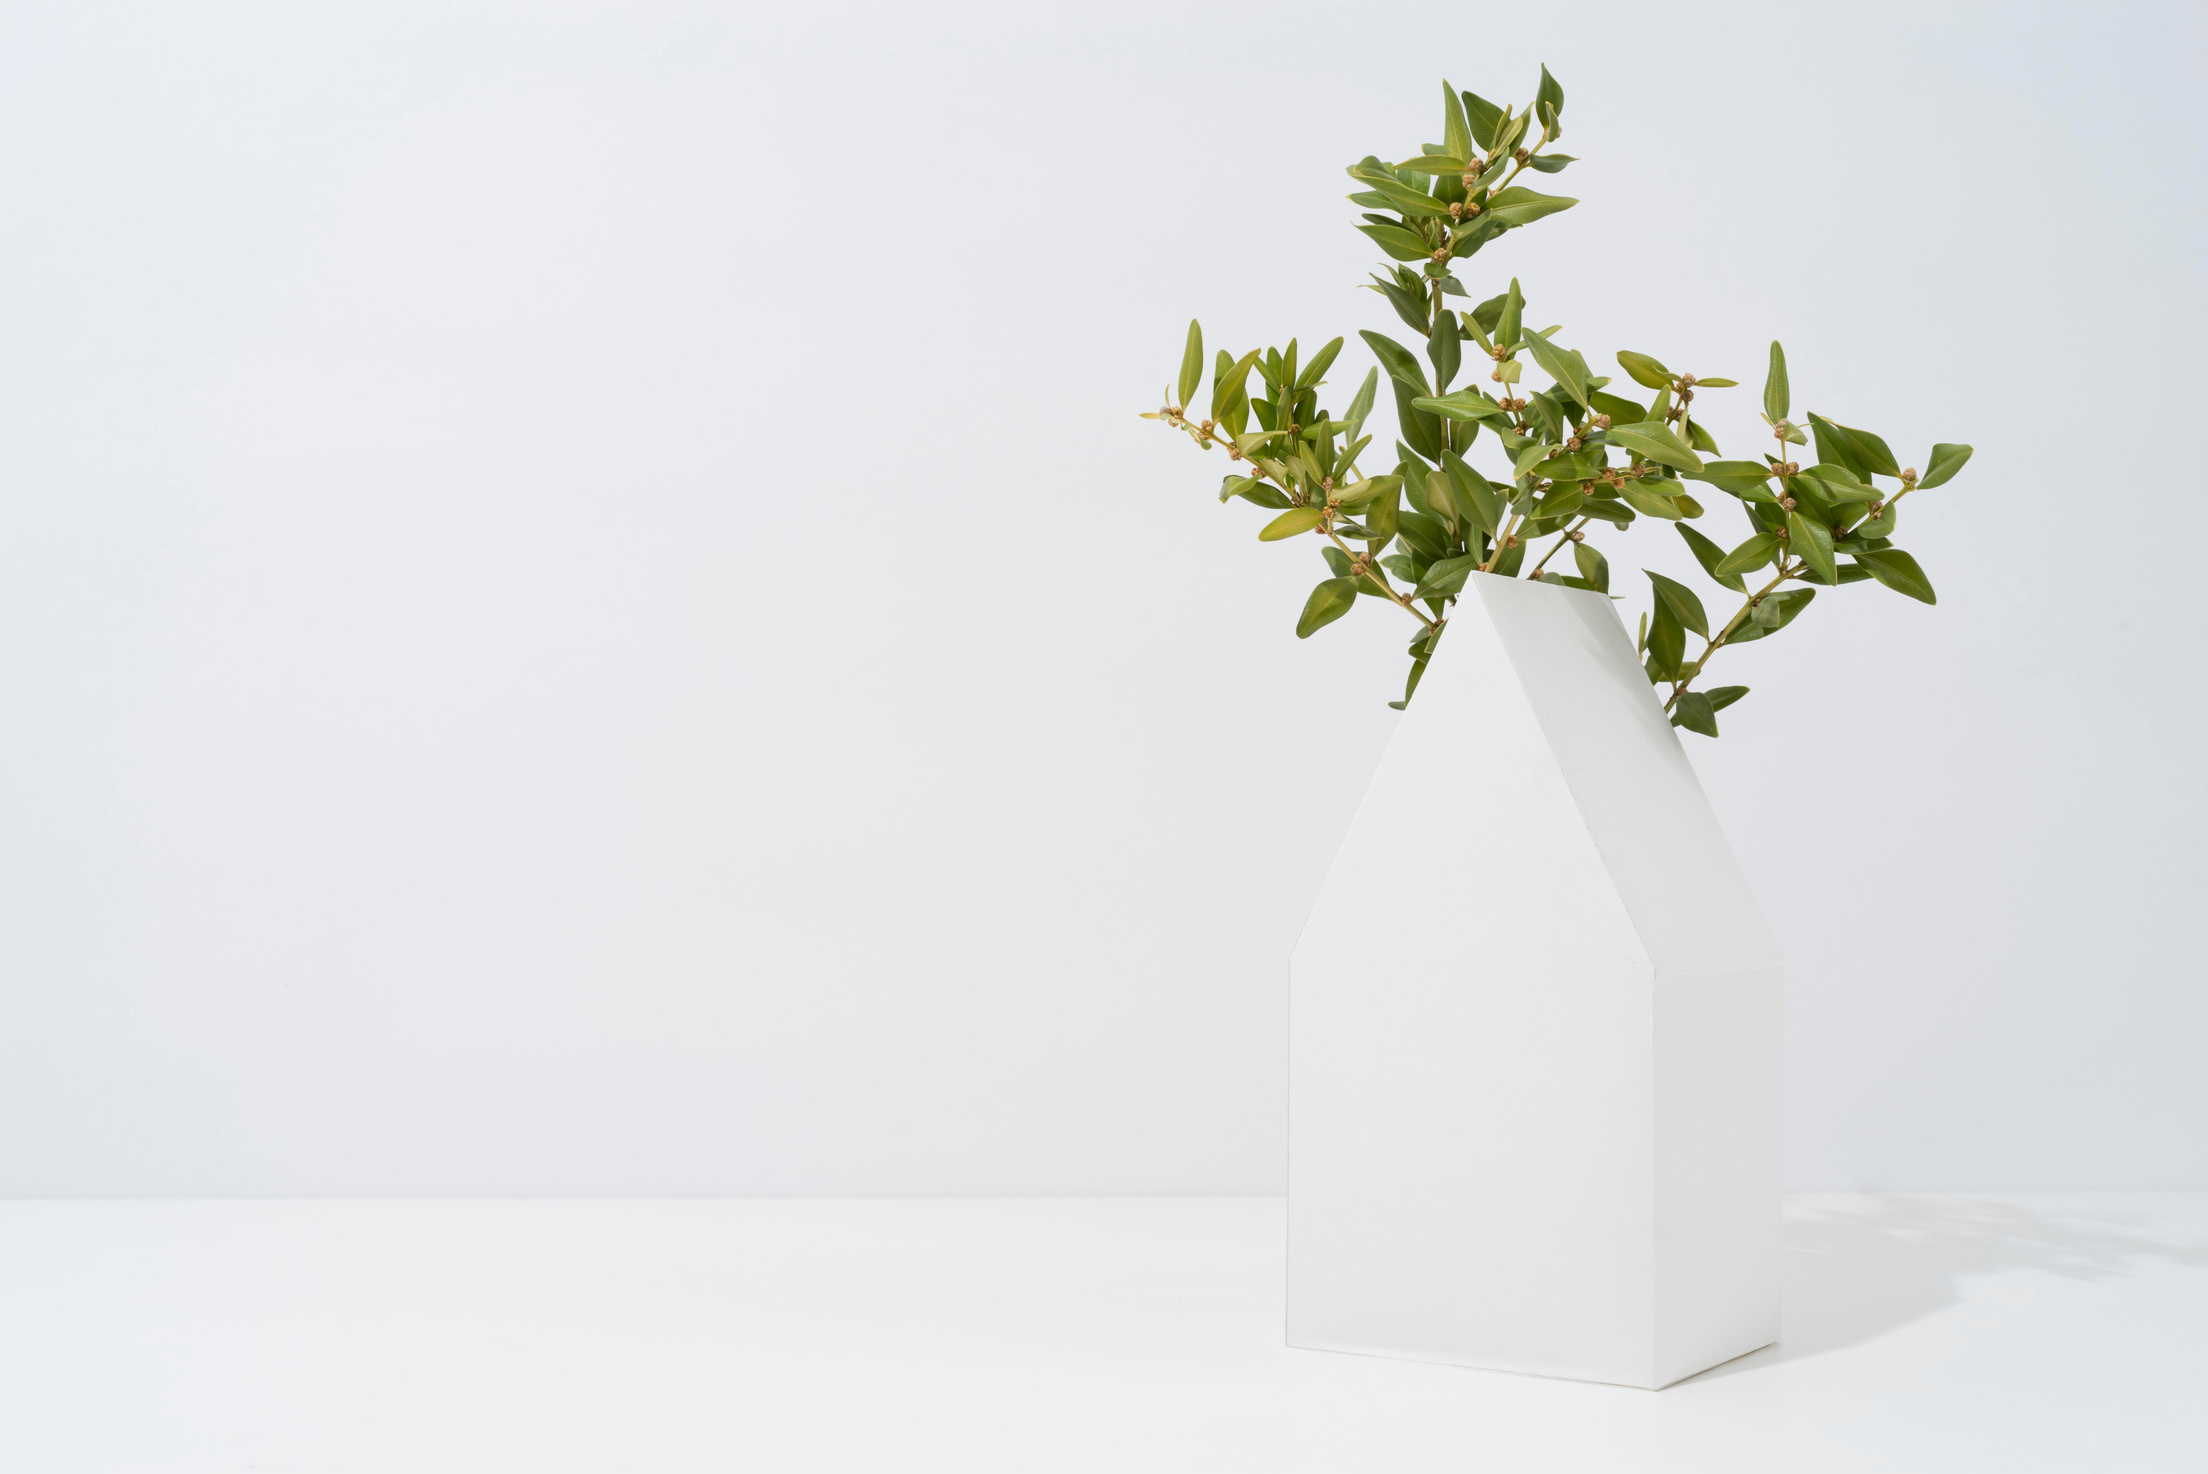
(1564, 453)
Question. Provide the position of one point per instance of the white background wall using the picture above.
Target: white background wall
(583, 608)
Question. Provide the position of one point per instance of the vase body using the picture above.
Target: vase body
(1534, 1030)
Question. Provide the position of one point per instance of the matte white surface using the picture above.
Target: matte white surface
(1940, 1335)
(1534, 1035)
(547, 647)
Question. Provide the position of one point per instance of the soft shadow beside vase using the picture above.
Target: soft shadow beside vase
(1534, 1030)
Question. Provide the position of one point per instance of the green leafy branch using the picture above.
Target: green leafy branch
(1577, 453)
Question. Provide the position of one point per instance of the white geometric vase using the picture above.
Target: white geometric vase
(1534, 1037)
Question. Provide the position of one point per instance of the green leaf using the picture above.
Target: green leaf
(1683, 602)
(1703, 442)
(1486, 506)
(1557, 366)
(1694, 711)
(1192, 363)
(1291, 522)
(1551, 163)
(1446, 577)
(1899, 572)
(1775, 395)
(1812, 543)
(1443, 348)
(1422, 430)
(1646, 371)
(1835, 446)
(1316, 369)
(1337, 560)
(1328, 602)
(1489, 314)
(1667, 643)
(1506, 322)
(1381, 514)
(1456, 128)
(1724, 696)
(1749, 556)
(1465, 404)
(1434, 166)
(1397, 360)
(1652, 441)
(1880, 526)
(1877, 458)
(1519, 205)
(1711, 557)
(1361, 406)
(1718, 384)
(1361, 492)
(1772, 615)
(1398, 242)
(1228, 381)
(1561, 502)
(1548, 103)
(1609, 510)
(1946, 461)
(1648, 504)
(1592, 566)
(1750, 479)
(1440, 500)
(1621, 411)
(1483, 117)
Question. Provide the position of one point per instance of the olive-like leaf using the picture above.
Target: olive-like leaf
(1711, 557)
(1360, 492)
(1812, 543)
(1592, 566)
(1398, 242)
(1332, 599)
(1291, 522)
(1684, 603)
(1446, 577)
(1946, 461)
(1695, 712)
(1456, 128)
(1315, 370)
(1648, 504)
(1724, 696)
(1749, 556)
(1899, 572)
(1776, 396)
(1654, 442)
(1192, 363)
(1519, 205)
(1646, 371)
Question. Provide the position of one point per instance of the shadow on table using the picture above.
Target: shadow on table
(1858, 1269)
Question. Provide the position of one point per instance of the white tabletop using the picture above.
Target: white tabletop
(2019, 1333)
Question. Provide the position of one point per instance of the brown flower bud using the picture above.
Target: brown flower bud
(1578, 536)
(1602, 422)
(1510, 540)
(1909, 476)
(1520, 155)
(1787, 502)
(1686, 381)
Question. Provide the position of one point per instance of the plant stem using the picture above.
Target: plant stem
(1372, 571)
(1567, 537)
(1679, 687)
